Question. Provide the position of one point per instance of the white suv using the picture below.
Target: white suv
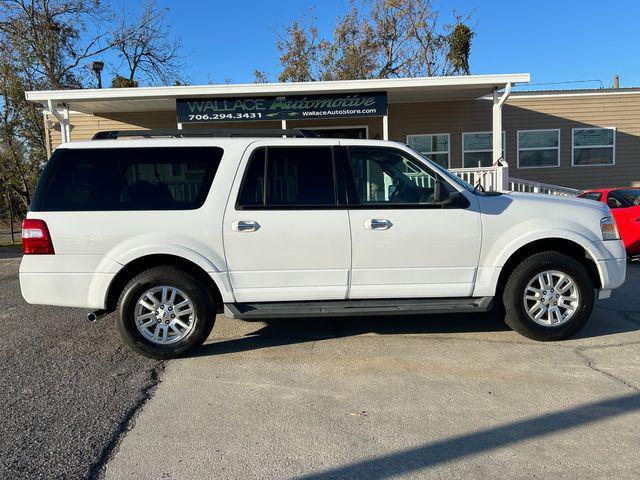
(171, 231)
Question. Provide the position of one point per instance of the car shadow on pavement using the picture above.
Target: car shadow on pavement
(286, 331)
(279, 332)
(456, 448)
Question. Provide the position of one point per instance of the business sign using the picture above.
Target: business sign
(207, 110)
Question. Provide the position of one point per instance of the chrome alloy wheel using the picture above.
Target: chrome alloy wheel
(164, 315)
(551, 298)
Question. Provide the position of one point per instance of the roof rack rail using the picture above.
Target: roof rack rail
(253, 132)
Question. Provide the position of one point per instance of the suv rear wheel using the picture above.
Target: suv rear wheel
(549, 296)
(164, 312)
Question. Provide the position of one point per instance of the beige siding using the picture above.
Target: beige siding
(559, 112)
(621, 111)
(84, 126)
(566, 113)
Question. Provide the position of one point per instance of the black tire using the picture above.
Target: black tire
(516, 316)
(203, 316)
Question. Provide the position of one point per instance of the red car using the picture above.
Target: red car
(625, 206)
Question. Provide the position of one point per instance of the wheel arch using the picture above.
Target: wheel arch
(566, 246)
(140, 264)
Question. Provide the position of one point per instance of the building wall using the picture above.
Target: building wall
(621, 111)
(563, 112)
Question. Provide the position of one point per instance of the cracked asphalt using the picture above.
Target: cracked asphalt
(454, 396)
(68, 388)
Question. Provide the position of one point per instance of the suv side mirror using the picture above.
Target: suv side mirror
(437, 191)
(442, 196)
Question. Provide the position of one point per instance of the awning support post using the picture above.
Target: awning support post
(498, 160)
(63, 120)
(385, 127)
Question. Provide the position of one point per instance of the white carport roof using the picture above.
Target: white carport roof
(398, 90)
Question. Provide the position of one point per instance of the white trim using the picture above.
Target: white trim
(448, 152)
(342, 127)
(276, 88)
(515, 96)
(537, 148)
(385, 127)
(488, 150)
(612, 146)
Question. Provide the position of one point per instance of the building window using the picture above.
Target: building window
(477, 149)
(538, 148)
(593, 146)
(435, 147)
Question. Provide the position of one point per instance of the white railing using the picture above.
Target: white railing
(488, 177)
(522, 185)
(497, 179)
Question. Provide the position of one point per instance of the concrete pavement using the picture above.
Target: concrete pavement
(397, 397)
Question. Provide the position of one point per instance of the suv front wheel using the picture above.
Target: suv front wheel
(549, 296)
(165, 312)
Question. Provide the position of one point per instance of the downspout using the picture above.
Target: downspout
(63, 120)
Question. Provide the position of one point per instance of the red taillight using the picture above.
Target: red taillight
(36, 239)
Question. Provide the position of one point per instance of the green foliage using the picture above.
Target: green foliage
(377, 39)
(122, 82)
(459, 41)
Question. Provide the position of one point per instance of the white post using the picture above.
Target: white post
(385, 127)
(283, 125)
(497, 128)
(498, 160)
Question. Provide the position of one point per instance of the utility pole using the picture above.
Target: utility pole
(13, 238)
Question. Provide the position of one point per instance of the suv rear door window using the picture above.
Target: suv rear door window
(104, 179)
(297, 177)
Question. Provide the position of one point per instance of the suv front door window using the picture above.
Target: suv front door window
(386, 176)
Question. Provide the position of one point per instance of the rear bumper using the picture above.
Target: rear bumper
(66, 280)
(85, 290)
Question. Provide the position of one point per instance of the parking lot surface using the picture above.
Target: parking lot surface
(68, 388)
(378, 398)
(375, 398)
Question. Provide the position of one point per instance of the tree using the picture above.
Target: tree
(301, 52)
(122, 82)
(377, 39)
(148, 52)
(43, 45)
(260, 76)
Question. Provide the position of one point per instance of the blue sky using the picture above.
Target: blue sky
(556, 41)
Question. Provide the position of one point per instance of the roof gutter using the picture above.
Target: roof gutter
(274, 88)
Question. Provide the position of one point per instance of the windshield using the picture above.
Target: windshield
(631, 195)
(456, 179)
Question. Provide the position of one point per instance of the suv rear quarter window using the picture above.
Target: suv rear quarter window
(107, 179)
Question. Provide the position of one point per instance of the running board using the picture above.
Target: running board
(347, 308)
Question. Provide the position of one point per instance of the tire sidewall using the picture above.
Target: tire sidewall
(516, 315)
(203, 311)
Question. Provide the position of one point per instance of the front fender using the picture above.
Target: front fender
(510, 241)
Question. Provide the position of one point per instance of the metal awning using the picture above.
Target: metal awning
(399, 90)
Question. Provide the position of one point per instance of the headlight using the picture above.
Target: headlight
(609, 229)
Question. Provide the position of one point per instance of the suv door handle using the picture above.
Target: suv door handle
(377, 224)
(245, 226)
